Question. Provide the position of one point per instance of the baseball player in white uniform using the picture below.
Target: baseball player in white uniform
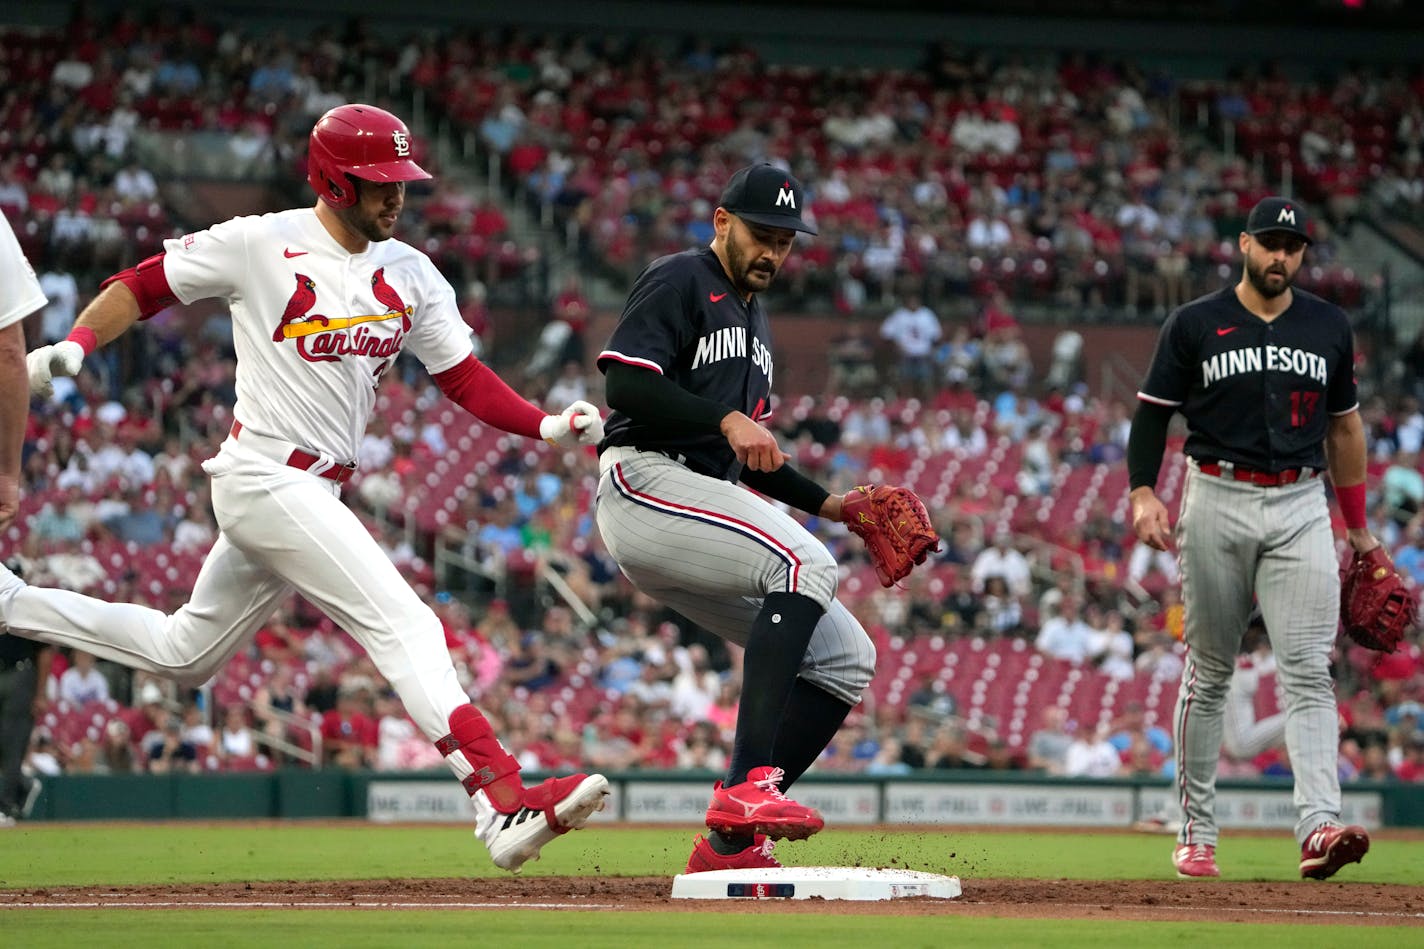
(20, 295)
(323, 300)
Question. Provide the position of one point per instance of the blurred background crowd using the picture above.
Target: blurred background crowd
(960, 200)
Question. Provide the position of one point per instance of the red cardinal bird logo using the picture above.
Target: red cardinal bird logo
(303, 299)
(388, 298)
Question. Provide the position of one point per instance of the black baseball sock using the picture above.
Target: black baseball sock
(811, 720)
(776, 647)
(727, 844)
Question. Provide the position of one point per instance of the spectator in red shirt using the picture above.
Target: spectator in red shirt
(348, 733)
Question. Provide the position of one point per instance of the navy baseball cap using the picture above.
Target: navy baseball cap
(764, 194)
(1279, 214)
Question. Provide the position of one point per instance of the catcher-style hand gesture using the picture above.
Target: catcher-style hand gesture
(895, 526)
(1376, 607)
(579, 424)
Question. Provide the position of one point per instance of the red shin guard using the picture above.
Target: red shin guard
(496, 772)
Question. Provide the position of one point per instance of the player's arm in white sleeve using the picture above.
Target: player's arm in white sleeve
(441, 341)
(189, 269)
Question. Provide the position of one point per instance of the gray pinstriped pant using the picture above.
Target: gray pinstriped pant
(1236, 539)
(712, 551)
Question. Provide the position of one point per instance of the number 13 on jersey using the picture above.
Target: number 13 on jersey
(1303, 403)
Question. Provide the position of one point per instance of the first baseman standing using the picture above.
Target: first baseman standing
(1264, 376)
(323, 301)
(689, 374)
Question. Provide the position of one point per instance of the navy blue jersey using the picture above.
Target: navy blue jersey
(1255, 393)
(685, 320)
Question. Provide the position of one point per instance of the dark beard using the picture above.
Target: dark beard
(1258, 280)
(742, 271)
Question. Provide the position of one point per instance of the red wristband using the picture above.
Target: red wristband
(85, 337)
(1352, 504)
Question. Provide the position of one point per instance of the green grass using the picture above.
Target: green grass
(517, 929)
(80, 853)
(102, 854)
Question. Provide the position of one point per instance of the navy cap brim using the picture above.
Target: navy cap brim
(783, 221)
(1281, 230)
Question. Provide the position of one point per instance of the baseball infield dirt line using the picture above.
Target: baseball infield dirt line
(297, 904)
(1076, 909)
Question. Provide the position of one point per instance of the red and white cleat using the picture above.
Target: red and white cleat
(756, 857)
(1329, 847)
(757, 806)
(555, 807)
(1195, 861)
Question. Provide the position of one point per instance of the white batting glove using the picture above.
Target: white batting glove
(62, 359)
(579, 424)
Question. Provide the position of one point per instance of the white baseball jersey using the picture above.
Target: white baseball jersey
(314, 325)
(20, 293)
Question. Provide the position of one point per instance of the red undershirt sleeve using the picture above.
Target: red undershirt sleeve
(478, 390)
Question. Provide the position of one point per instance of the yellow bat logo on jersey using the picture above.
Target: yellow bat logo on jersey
(326, 324)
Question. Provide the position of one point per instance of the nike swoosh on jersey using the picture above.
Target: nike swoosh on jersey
(292, 253)
(716, 297)
(1224, 330)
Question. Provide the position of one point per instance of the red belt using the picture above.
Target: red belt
(1265, 479)
(306, 461)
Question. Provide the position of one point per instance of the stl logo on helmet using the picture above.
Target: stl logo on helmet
(402, 143)
(330, 338)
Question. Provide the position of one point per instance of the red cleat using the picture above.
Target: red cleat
(757, 806)
(756, 857)
(1195, 861)
(548, 810)
(1329, 847)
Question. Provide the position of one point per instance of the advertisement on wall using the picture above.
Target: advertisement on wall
(850, 804)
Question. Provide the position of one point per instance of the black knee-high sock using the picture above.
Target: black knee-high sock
(811, 720)
(776, 647)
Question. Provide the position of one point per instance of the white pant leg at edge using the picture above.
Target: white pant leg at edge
(232, 597)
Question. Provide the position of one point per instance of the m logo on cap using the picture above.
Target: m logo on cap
(786, 196)
(1287, 216)
(402, 143)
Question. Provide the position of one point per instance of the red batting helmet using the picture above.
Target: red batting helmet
(364, 142)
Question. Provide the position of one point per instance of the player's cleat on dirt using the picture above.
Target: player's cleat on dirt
(1329, 847)
(756, 857)
(555, 807)
(1195, 861)
(757, 806)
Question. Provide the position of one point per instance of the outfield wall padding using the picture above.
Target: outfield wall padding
(937, 797)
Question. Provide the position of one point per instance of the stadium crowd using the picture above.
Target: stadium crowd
(1041, 637)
